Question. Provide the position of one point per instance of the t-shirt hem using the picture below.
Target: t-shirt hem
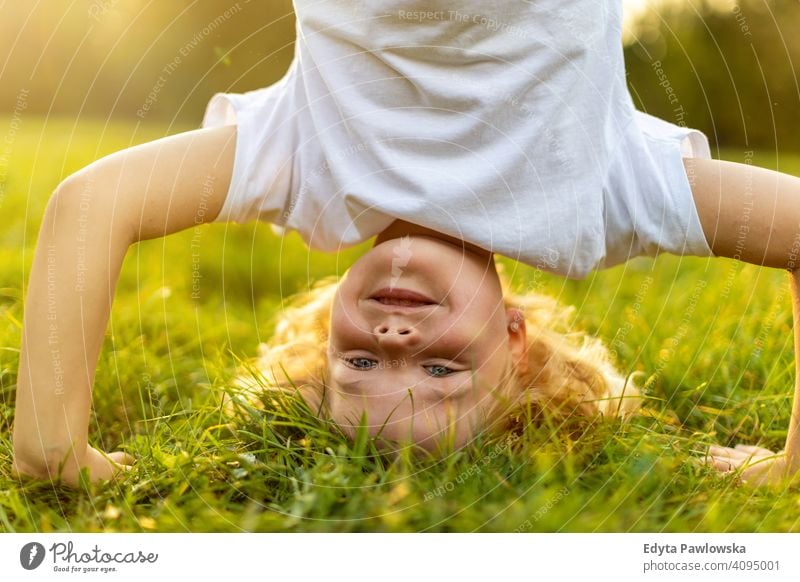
(221, 111)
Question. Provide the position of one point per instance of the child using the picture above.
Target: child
(451, 134)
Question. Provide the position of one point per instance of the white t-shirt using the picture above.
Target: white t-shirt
(507, 124)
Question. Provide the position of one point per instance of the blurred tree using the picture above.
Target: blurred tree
(723, 66)
(145, 58)
(728, 68)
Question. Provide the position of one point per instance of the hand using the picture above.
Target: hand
(756, 466)
(101, 466)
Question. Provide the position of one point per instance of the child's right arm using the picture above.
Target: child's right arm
(143, 192)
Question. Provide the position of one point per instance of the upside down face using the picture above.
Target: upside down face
(420, 340)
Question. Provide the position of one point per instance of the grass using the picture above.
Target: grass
(712, 335)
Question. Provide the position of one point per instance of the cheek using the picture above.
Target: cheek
(492, 355)
(335, 330)
(489, 391)
(342, 323)
(482, 325)
(491, 370)
(344, 412)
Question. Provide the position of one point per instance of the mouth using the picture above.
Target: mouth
(401, 297)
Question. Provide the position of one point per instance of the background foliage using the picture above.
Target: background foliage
(713, 336)
(732, 65)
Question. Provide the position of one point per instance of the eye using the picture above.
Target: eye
(440, 371)
(360, 363)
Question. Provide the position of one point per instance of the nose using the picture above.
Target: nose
(389, 332)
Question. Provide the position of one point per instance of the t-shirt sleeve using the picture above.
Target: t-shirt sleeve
(261, 186)
(649, 205)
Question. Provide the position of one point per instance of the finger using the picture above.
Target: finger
(723, 465)
(729, 453)
(698, 461)
(754, 450)
(740, 455)
(121, 458)
(119, 471)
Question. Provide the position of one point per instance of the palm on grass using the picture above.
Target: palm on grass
(756, 466)
(101, 466)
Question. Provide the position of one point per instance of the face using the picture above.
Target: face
(422, 372)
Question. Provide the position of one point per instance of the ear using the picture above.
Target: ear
(517, 339)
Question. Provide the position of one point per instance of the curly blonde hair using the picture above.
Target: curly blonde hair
(569, 373)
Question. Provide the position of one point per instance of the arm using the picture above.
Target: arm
(792, 447)
(753, 214)
(143, 192)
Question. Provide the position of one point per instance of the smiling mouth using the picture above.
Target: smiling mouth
(401, 297)
(400, 302)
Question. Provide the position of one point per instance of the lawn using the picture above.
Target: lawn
(713, 336)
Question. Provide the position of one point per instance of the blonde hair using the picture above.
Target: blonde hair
(569, 372)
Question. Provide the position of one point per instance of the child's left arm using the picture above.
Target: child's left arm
(725, 193)
(759, 466)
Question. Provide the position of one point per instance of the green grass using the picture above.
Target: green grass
(168, 357)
